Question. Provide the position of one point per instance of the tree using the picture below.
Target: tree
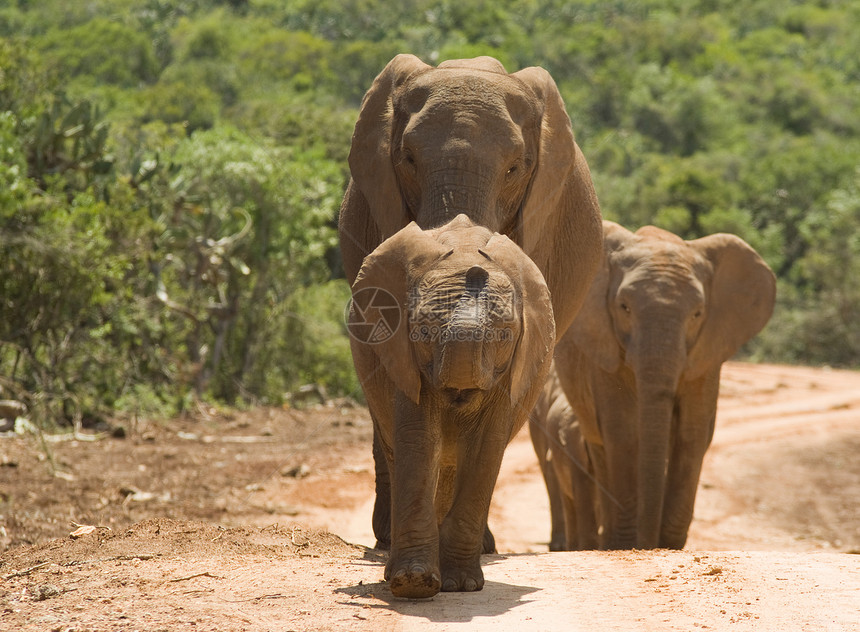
(102, 51)
(248, 226)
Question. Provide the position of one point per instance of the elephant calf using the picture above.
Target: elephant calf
(452, 337)
(641, 367)
(566, 468)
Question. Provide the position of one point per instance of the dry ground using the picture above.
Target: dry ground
(227, 522)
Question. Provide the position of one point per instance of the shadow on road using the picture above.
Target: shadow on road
(494, 599)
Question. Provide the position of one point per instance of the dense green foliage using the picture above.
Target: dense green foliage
(171, 171)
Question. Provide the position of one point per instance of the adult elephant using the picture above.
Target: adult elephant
(459, 318)
(467, 137)
(641, 368)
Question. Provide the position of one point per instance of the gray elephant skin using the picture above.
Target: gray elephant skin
(641, 368)
(468, 360)
(466, 137)
(566, 468)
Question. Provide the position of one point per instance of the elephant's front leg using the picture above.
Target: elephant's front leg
(619, 495)
(381, 519)
(615, 473)
(413, 564)
(479, 459)
(559, 509)
(697, 408)
(584, 499)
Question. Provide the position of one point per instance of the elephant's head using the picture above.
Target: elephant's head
(476, 313)
(467, 137)
(669, 312)
(685, 306)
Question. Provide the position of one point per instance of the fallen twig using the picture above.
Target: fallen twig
(272, 596)
(75, 436)
(26, 571)
(78, 526)
(204, 574)
(246, 439)
(141, 556)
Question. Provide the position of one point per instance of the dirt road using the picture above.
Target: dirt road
(215, 523)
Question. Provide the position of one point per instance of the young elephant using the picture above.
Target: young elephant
(459, 320)
(641, 368)
(566, 468)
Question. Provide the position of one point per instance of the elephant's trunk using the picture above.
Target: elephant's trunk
(462, 362)
(457, 189)
(658, 370)
(656, 408)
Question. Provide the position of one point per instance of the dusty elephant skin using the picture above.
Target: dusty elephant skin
(566, 469)
(641, 368)
(468, 359)
(468, 137)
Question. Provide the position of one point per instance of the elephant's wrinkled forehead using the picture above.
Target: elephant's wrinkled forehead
(659, 253)
(456, 262)
(464, 90)
(443, 288)
(662, 263)
(463, 252)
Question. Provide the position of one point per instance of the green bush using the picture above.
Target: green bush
(102, 51)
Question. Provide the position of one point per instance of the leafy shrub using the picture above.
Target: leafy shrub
(170, 172)
(102, 51)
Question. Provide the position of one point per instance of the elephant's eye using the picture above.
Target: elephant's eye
(511, 171)
(625, 307)
(408, 158)
(697, 314)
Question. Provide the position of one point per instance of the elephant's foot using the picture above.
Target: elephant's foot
(462, 576)
(412, 578)
(558, 544)
(673, 540)
(621, 539)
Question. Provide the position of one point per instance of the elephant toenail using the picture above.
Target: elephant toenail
(470, 585)
(449, 586)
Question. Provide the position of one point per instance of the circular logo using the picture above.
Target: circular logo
(373, 315)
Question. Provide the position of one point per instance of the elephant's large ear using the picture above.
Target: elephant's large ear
(533, 355)
(560, 224)
(378, 314)
(592, 329)
(370, 154)
(739, 303)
